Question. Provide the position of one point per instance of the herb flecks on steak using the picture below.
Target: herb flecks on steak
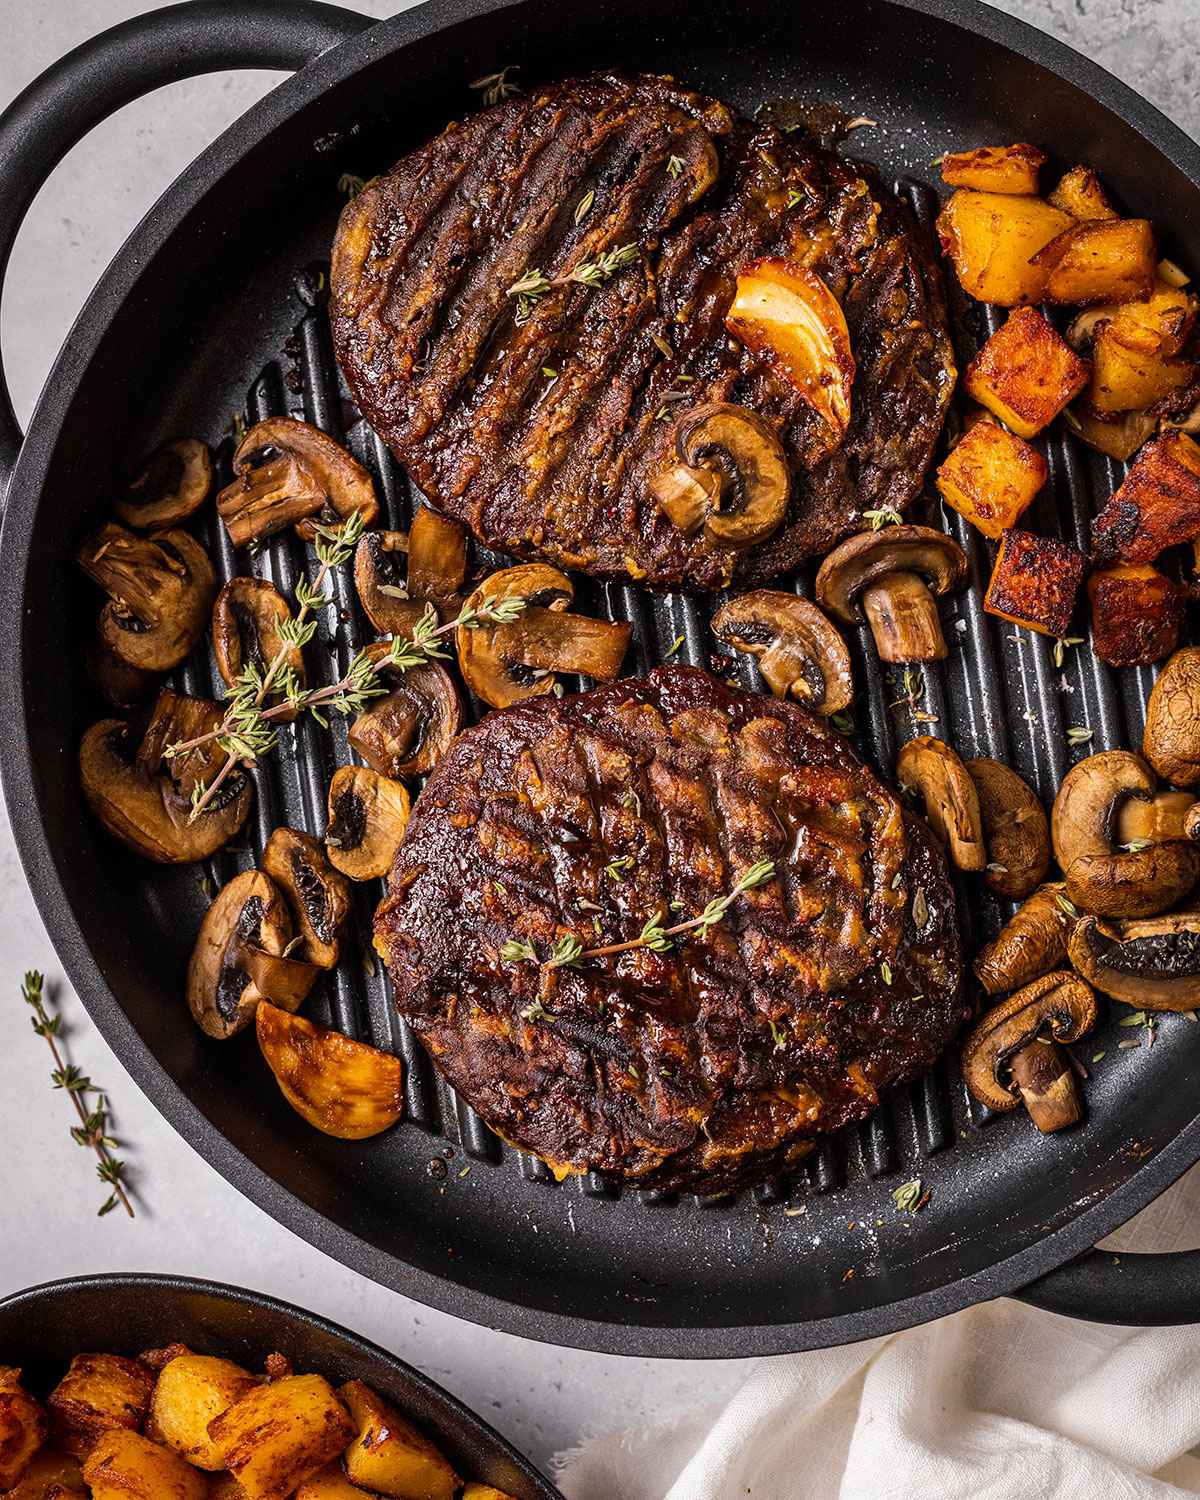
(540, 418)
(710, 1065)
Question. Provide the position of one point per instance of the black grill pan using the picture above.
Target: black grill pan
(214, 311)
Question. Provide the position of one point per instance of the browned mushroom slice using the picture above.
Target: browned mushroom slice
(1031, 943)
(929, 766)
(1011, 1055)
(118, 683)
(1152, 964)
(892, 578)
(1171, 740)
(368, 814)
(381, 581)
(268, 498)
(1015, 830)
(406, 732)
(799, 651)
(732, 477)
(173, 484)
(437, 555)
(345, 485)
(248, 918)
(160, 589)
(340, 1086)
(245, 630)
(317, 894)
(176, 719)
(503, 663)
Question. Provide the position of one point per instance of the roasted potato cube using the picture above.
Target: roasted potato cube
(23, 1426)
(1160, 325)
(1104, 260)
(190, 1391)
(389, 1454)
(124, 1465)
(991, 239)
(1157, 506)
(1119, 434)
(278, 1435)
(340, 1086)
(1079, 194)
(994, 169)
(99, 1392)
(51, 1475)
(1137, 614)
(1125, 379)
(226, 1487)
(991, 476)
(484, 1492)
(1034, 582)
(1026, 373)
(330, 1483)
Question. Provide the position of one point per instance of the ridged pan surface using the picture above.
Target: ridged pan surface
(229, 324)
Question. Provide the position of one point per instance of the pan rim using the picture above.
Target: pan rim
(1003, 1277)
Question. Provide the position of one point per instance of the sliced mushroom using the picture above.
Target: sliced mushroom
(118, 683)
(507, 662)
(929, 766)
(1015, 830)
(1171, 740)
(1102, 877)
(248, 920)
(732, 477)
(160, 589)
(177, 718)
(346, 487)
(1152, 964)
(1031, 943)
(342, 1087)
(1011, 1055)
(406, 732)
(799, 650)
(268, 498)
(172, 485)
(1157, 819)
(892, 578)
(437, 555)
(382, 583)
(317, 894)
(368, 814)
(245, 630)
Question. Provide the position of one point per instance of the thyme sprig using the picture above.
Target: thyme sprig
(92, 1130)
(529, 288)
(568, 952)
(497, 86)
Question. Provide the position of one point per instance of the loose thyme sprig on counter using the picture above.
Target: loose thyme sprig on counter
(92, 1130)
(533, 285)
(568, 952)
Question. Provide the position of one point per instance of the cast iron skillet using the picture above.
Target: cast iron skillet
(182, 324)
(42, 1327)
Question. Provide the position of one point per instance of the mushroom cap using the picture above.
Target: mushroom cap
(120, 685)
(1151, 964)
(1031, 943)
(248, 911)
(1083, 819)
(341, 1087)
(869, 556)
(347, 486)
(1136, 882)
(246, 618)
(408, 730)
(382, 584)
(171, 485)
(800, 652)
(1015, 829)
(933, 768)
(318, 895)
(1059, 1005)
(1171, 738)
(745, 454)
(161, 590)
(368, 814)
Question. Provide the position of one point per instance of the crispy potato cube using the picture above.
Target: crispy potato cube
(329, 1483)
(1079, 194)
(1026, 373)
(991, 476)
(1104, 260)
(1160, 325)
(1119, 434)
(994, 169)
(1125, 379)
(1034, 582)
(51, 1475)
(1137, 613)
(99, 1392)
(484, 1492)
(23, 1426)
(277, 1435)
(190, 1392)
(226, 1487)
(991, 239)
(389, 1454)
(124, 1465)
(1157, 506)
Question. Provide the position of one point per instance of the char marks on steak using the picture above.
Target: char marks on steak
(542, 434)
(710, 1066)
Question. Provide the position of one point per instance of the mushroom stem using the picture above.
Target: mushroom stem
(903, 616)
(1045, 1079)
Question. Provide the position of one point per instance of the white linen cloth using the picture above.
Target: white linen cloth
(998, 1402)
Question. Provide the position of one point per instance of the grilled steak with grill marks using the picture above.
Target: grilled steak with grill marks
(539, 420)
(711, 1065)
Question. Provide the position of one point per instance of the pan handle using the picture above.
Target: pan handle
(59, 108)
(1118, 1286)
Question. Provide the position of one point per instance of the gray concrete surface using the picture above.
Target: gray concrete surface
(189, 1220)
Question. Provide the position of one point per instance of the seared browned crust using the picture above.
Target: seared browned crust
(555, 465)
(712, 1065)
